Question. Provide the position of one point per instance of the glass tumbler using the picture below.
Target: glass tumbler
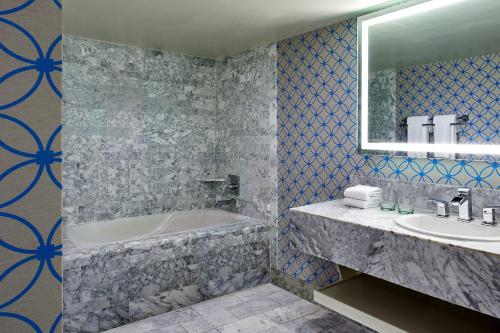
(406, 204)
(388, 200)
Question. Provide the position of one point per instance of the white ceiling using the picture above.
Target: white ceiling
(205, 28)
(461, 30)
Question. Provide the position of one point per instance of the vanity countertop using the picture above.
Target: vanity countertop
(368, 240)
(384, 220)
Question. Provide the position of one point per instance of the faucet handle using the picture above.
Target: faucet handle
(489, 217)
(442, 206)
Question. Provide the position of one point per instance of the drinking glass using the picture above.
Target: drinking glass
(388, 201)
(406, 203)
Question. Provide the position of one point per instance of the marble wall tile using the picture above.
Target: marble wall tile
(246, 128)
(141, 127)
(139, 131)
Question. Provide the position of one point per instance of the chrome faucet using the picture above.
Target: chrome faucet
(464, 203)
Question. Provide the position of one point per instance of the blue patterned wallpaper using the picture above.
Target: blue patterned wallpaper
(317, 153)
(469, 86)
(30, 160)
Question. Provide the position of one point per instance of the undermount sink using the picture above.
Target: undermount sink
(448, 228)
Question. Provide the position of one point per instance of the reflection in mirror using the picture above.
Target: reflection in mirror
(430, 80)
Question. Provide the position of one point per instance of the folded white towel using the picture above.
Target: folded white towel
(361, 203)
(417, 133)
(362, 192)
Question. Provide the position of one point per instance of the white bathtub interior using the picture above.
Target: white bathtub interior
(133, 228)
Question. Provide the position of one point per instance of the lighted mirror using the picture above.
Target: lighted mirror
(430, 80)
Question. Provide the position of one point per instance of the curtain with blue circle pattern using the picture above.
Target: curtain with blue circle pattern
(30, 166)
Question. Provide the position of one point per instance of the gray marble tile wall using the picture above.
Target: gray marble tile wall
(141, 127)
(138, 131)
(246, 129)
(112, 285)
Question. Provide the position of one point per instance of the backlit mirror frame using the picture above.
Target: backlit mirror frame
(363, 24)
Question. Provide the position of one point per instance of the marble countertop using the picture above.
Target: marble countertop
(384, 220)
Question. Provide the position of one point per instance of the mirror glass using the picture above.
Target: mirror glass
(430, 74)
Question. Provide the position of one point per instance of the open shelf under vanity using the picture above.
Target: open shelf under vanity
(386, 307)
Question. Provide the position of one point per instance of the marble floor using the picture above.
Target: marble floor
(266, 308)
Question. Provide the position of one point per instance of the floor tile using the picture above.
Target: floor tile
(253, 307)
(149, 326)
(198, 324)
(257, 292)
(218, 316)
(215, 311)
(175, 317)
(141, 326)
(254, 324)
(282, 297)
(176, 328)
(222, 302)
(292, 311)
(300, 325)
(265, 309)
(325, 318)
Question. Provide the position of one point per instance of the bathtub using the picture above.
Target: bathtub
(135, 228)
(124, 270)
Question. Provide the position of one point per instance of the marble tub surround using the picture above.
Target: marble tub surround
(246, 129)
(112, 285)
(142, 127)
(422, 192)
(266, 308)
(367, 240)
(139, 131)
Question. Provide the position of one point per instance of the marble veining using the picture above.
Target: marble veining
(266, 309)
(246, 129)
(138, 131)
(461, 272)
(119, 283)
(142, 126)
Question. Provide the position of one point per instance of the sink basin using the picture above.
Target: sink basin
(448, 228)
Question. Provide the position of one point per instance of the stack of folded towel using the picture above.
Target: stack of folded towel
(362, 196)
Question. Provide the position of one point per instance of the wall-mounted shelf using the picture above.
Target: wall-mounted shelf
(386, 307)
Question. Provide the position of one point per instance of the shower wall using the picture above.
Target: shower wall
(139, 130)
(246, 128)
(142, 127)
